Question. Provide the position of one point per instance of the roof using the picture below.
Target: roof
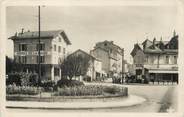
(136, 48)
(164, 42)
(43, 35)
(171, 50)
(146, 41)
(156, 50)
(158, 47)
(79, 50)
(112, 46)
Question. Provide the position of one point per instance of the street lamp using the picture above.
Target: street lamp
(39, 65)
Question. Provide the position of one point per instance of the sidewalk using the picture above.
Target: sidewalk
(131, 100)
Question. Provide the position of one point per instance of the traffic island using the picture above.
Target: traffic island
(130, 100)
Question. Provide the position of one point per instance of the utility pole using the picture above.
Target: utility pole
(123, 65)
(39, 65)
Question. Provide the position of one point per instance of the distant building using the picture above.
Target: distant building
(53, 47)
(95, 65)
(111, 55)
(129, 68)
(157, 60)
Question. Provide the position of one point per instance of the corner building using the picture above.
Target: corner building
(53, 48)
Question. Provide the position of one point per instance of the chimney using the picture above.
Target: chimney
(22, 31)
(154, 40)
(174, 33)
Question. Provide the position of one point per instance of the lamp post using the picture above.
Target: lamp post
(123, 66)
(39, 65)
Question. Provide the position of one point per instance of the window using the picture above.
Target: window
(22, 59)
(42, 47)
(54, 47)
(146, 59)
(22, 47)
(19, 59)
(59, 49)
(56, 71)
(42, 59)
(167, 60)
(64, 50)
(152, 60)
(175, 59)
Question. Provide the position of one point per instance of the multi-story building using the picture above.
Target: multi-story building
(53, 47)
(95, 65)
(157, 60)
(111, 55)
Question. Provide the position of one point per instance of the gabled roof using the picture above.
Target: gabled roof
(147, 43)
(136, 47)
(89, 55)
(43, 35)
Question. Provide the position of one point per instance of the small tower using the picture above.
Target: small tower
(174, 33)
(22, 30)
(154, 42)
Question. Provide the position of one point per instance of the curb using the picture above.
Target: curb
(132, 100)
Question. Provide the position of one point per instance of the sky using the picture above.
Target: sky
(87, 25)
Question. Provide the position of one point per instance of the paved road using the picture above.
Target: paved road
(158, 97)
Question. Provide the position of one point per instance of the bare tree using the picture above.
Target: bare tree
(74, 65)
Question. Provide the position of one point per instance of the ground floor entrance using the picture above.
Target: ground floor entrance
(163, 77)
(48, 71)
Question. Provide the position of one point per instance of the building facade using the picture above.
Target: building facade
(111, 55)
(95, 65)
(157, 60)
(53, 47)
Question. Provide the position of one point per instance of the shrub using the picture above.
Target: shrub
(47, 85)
(13, 78)
(22, 79)
(87, 78)
(33, 79)
(26, 90)
(68, 83)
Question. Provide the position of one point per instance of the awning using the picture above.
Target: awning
(168, 71)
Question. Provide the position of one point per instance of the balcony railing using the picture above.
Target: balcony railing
(24, 53)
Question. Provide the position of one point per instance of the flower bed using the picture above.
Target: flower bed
(92, 90)
(25, 90)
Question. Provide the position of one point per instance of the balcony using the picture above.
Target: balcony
(24, 53)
